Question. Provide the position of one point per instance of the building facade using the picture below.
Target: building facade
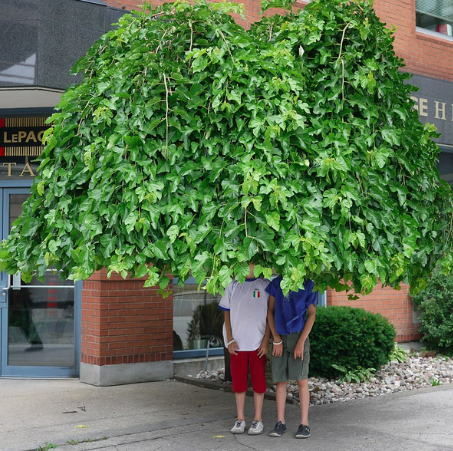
(114, 331)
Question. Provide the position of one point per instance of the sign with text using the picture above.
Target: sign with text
(20, 144)
(434, 103)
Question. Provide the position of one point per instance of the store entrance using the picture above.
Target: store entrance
(38, 320)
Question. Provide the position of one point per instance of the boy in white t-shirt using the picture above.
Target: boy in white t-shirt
(246, 334)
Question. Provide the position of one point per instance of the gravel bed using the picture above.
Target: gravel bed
(417, 372)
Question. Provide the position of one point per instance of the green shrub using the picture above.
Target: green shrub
(351, 338)
(358, 374)
(436, 313)
(398, 354)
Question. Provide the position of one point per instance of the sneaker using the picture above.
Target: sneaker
(278, 430)
(256, 428)
(239, 427)
(303, 431)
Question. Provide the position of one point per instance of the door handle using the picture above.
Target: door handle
(5, 289)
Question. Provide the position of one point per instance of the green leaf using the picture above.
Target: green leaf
(225, 275)
(159, 249)
(173, 233)
(141, 271)
(265, 237)
(153, 277)
(391, 136)
(241, 271)
(273, 220)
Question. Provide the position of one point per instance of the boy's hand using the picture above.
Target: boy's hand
(233, 347)
(262, 350)
(277, 350)
(299, 350)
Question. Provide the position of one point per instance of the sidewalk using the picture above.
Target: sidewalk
(176, 416)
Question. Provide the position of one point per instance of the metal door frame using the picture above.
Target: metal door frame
(23, 187)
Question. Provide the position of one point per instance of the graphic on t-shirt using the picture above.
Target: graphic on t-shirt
(256, 293)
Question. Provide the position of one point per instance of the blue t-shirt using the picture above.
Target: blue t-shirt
(291, 310)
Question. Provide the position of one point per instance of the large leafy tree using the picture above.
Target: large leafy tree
(193, 146)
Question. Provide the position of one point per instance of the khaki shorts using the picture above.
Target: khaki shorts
(286, 367)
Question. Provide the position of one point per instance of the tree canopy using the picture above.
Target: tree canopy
(193, 146)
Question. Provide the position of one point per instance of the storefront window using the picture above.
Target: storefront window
(435, 15)
(197, 319)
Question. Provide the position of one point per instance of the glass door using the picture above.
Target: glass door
(38, 320)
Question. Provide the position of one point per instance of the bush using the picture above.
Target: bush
(436, 313)
(351, 338)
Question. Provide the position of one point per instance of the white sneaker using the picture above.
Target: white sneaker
(239, 427)
(256, 428)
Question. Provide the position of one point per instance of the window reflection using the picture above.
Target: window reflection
(196, 318)
(41, 323)
(22, 73)
(40, 315)
(445, 166)
(435, 15)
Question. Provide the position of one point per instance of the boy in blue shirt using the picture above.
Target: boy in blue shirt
(291, 319)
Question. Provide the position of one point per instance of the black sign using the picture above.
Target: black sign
(434, 103)
(22, 136)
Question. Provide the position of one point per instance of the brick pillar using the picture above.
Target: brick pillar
(395, 305)
(127, 332)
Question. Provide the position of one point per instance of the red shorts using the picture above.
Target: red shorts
(240, 365)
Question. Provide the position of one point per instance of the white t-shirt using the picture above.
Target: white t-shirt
(247, 304)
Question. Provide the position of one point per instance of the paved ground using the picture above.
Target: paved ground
(176, 416)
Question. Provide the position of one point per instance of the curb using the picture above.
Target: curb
(213, 385)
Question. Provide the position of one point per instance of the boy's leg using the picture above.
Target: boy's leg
(259, 385)
(280, 427)
(281, 401)
(258, 378)
(304, 394)
(304, 397)
(279, 366)
(239, 371)
(258, 399)
(240, 404)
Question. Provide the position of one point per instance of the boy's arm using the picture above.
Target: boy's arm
(230, 344)
(264, 346)
(311, 316)
(277, 349)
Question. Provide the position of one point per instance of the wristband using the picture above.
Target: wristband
(232, 341)
(279, 343)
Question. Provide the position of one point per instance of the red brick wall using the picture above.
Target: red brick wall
(395, 305)
(122, 322)
(423, 54)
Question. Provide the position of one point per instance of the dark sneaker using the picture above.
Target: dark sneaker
(303, 431)
(278, 430)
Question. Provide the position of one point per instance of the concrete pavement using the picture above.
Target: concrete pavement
(175, 416)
